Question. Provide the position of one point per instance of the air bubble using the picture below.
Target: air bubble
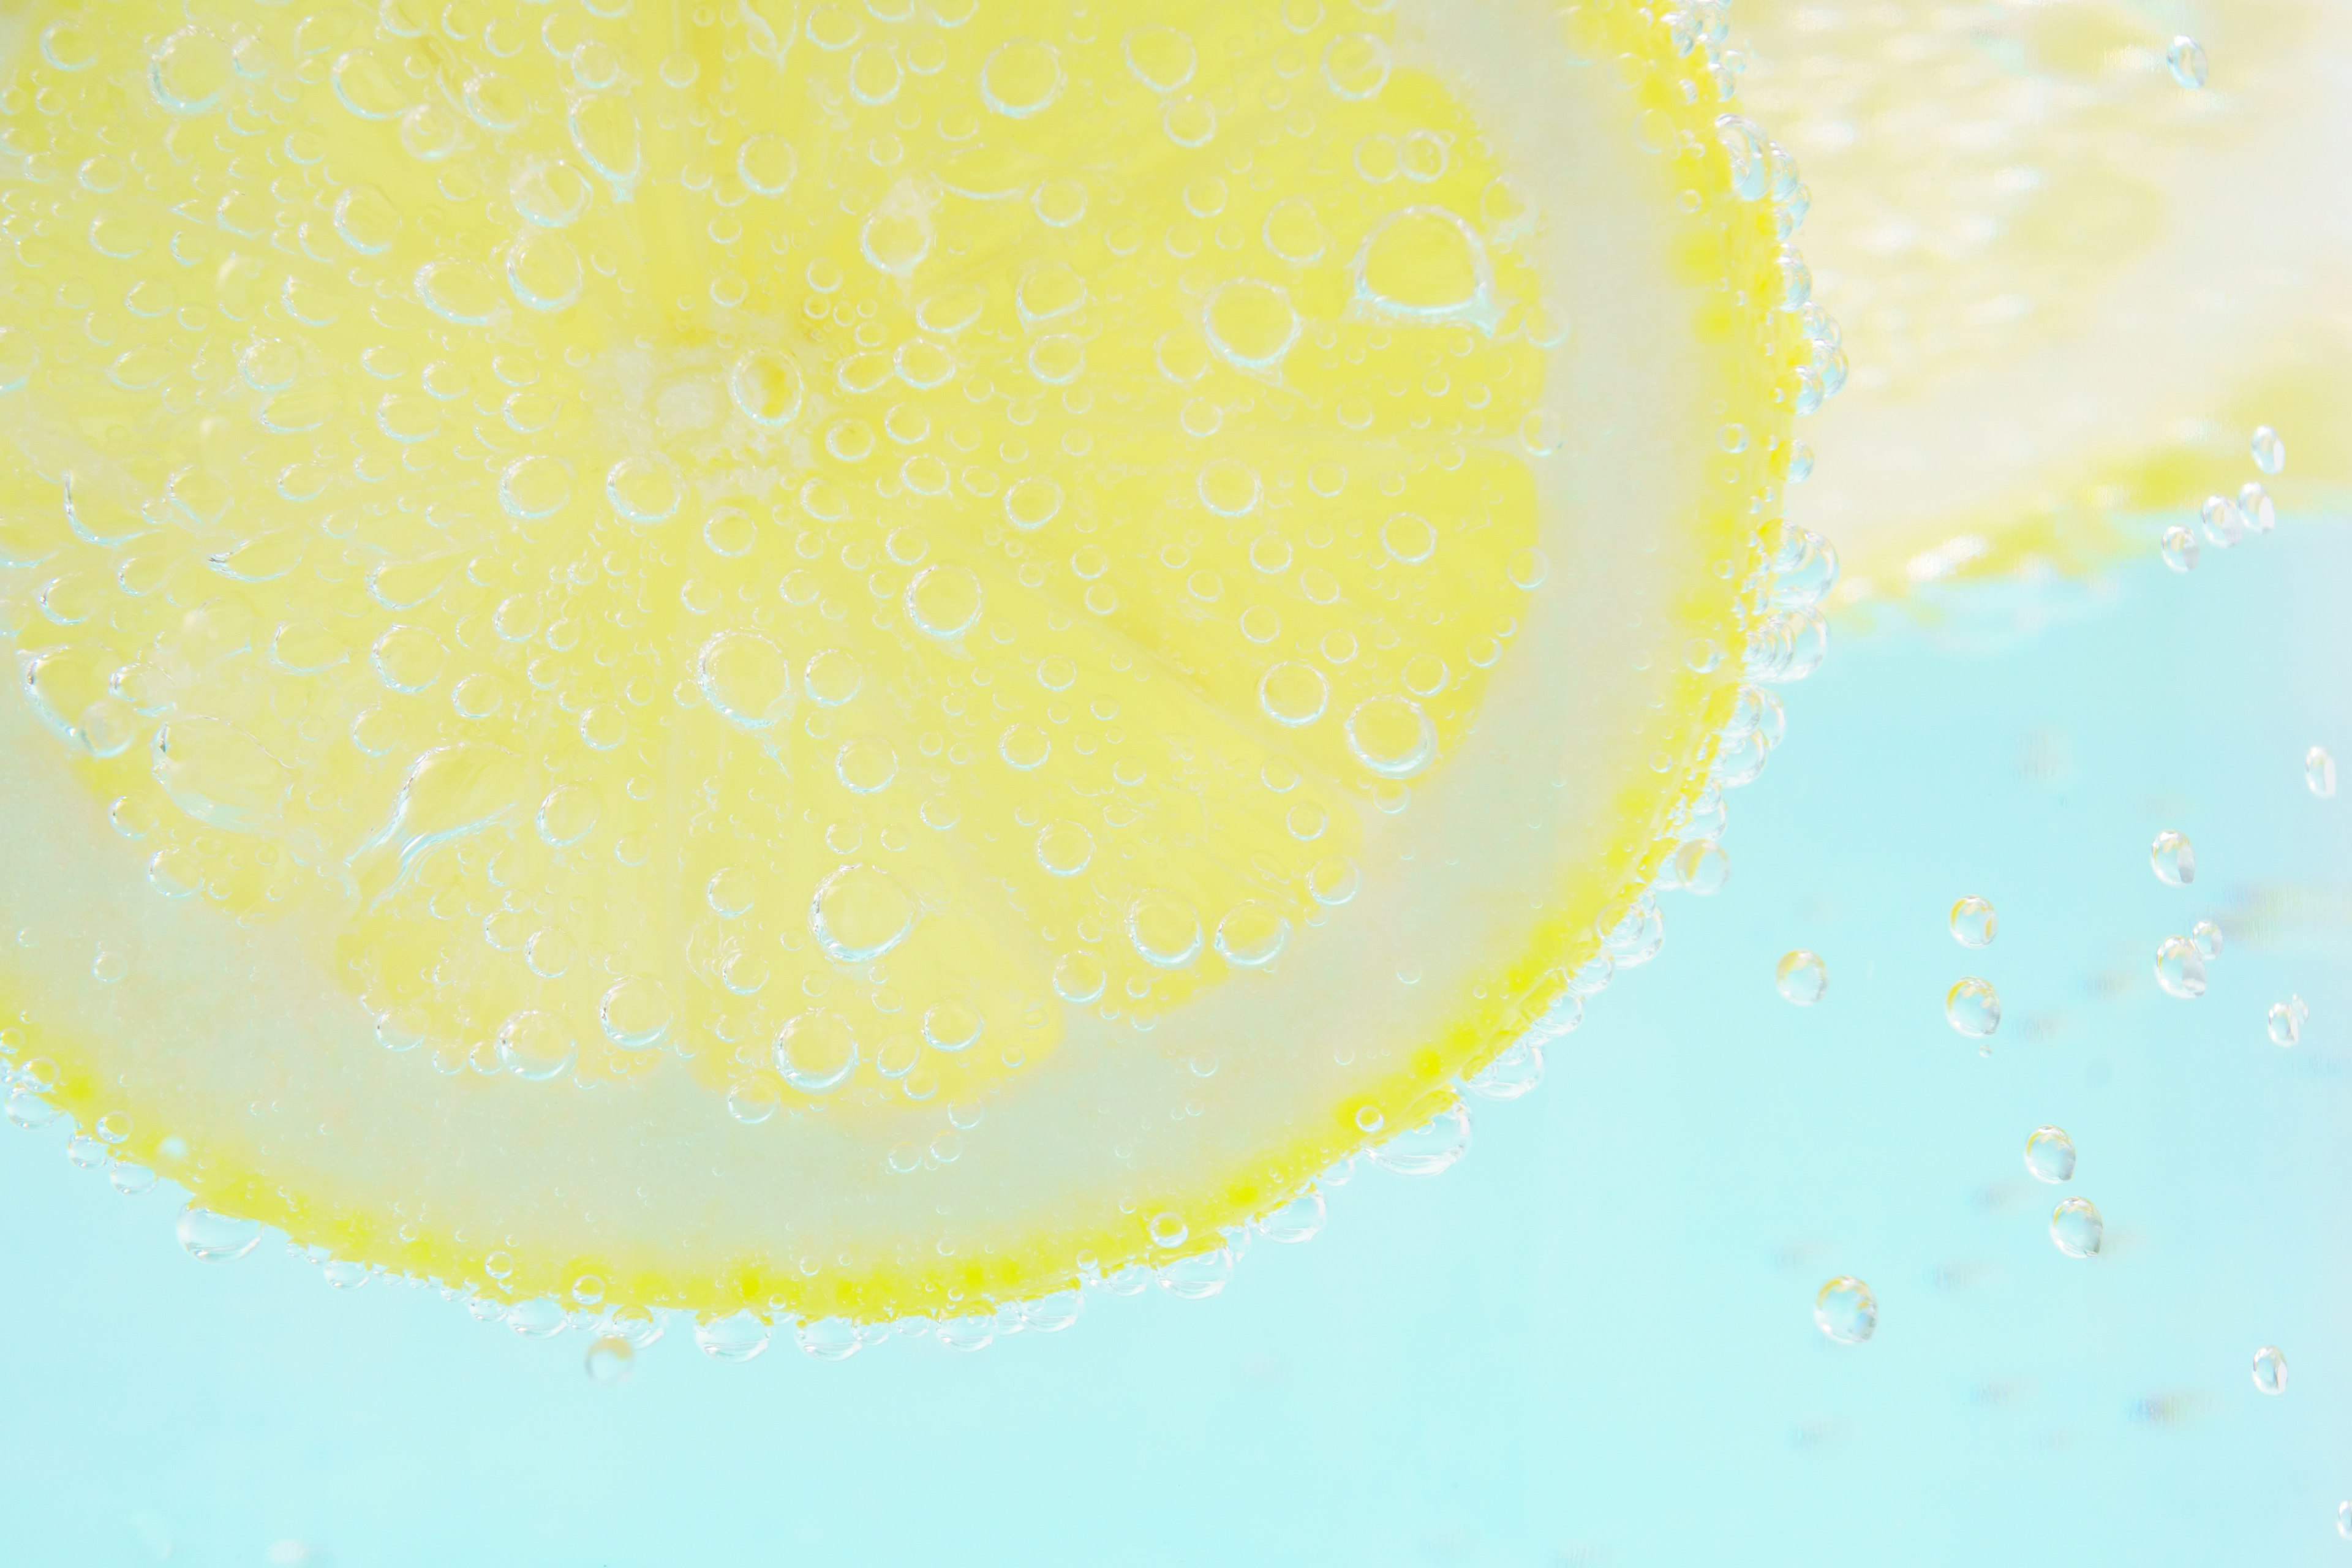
(1164, 930)
(1391, 736)
(2076, 1227)
(2268, 451)
(212, 1238)
(2050, 1154)
(2285, 1022)
(2179, 968)
(1801, 977)
(1424, 264)
(1973, 923)
(858, 913)
(1973, 1007)
(816, 1051)
(1845, 1311)
(746, 679)
(2186, 60)
(944, 601)
(2173, 857)
(1293, 694)
(2319, 771)
(2270, 1369)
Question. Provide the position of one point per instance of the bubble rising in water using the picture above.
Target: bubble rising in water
(1391, 736)
(2050, 1154)
(2268, 451)
(2180, 549)
(2173, 857)
(1973, 921)
(858, 913)
(2206, 937)
(2179, 968)
(1845, 1311)
(2285, 1024)
(2319, 771)
(816, 1051)
(1802, 976)
(1973, 1007)
(2185, 59)
(2270, 1369)
(2076, 1227)
(610, 1359)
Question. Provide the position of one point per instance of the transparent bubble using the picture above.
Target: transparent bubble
(2180, 548)
(2224, 524)
(858, 913)
(610, 1359)
(637, 1013)
(1168, 1229)
(1252, 935)
(2286, 1023)
(2174, 858)
(2270, 1369)
(753, 1100)
(2344, 1519)
(1973, 923)
(2268, 451)
(816, 1051)
(1294, 693)
(2076, 1227)
(1973, 1007)
(2319, 771)
(1701, 868)
(1296, 1221)
(746, 679)
(536, 1046)
(1021, 79)
(1802, 976)
(2179, 968)
(1516, 1070)
(734, 1338)
(2206, 937)
(1845, 1310)
(1425, 1150)
(212, 1238)
(1391, 736)
(1064, 848)
(944, 601)
(2050, 1154)
(1164, 930)
(2186, 58)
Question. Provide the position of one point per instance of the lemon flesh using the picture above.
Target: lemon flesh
(2071, 285)
(848, 661)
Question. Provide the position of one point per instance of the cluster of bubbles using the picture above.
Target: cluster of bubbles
(2226, 520)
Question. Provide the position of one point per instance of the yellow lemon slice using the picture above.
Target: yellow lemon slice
(2073, 283)
(852, 661)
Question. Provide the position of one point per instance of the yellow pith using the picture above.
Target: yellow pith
(765, 584)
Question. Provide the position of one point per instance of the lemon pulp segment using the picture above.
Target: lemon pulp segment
(848, 660)
(2071, 285)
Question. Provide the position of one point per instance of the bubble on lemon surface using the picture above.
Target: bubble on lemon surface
(1973, 921)
(2179, 968)
(2270, 1369)
(2050, 1154)
(2173, 857)
(1801, 977)
(2076, 1227)
(1845, 1311)
(212, 1238)
(799, 696)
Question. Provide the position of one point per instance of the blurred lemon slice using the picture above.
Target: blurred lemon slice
(2071, 284)
(850, 661)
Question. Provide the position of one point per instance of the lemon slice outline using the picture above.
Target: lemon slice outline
(1737, 236)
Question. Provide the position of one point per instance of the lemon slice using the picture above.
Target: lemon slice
(852, 662)
(2069, 284)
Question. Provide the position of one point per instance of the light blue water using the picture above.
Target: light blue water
(1590, 1342)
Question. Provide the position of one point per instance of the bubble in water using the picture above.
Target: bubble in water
(1802, 976)
(1356, 65)
(866, 765)
(2180, 548)
(2270, 452)
(2186, 58)
(766, 388)
(1252, 935)
(2179, 968)
(1391, 736)
(859, 912)
(1424, 264)
(2206, 937)
(610, 1359)
(1702, 868)
(211, 1237)
(536, 1046)
(816, 1051)
(636, 1013)
(2174, 858)
(2225, 525)
(1298, 1220)
(1064, 848)
(1168, 1229)
(753, 1100)
(1080, 978)
(832, 677)
(2286, 1023)
(2270, 1369)
(1845, 1310)
(1425, 1150)
(1165, 929)
(1293, 694)
(2319, 771)
(746, 679)
(2076, 1227)
(1250, 324)
(2344, 1519)
(1021, 79)
(944, 601)
(1973, 923)
(734, 1338)
(2050, 1154)
(1162, 59)
(2256, 505)
(1973, 1007)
